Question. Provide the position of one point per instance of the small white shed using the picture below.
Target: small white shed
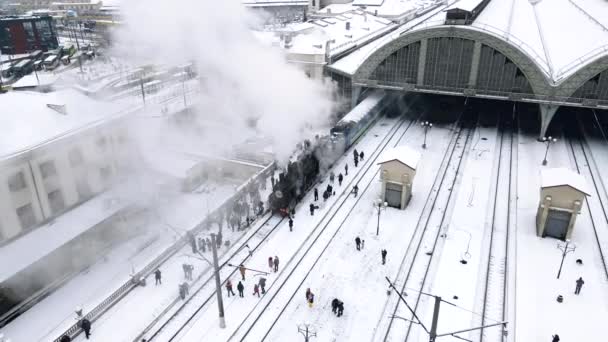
(562, 195)
(397, 171)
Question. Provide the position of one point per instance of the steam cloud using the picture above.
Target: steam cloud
(247, 85)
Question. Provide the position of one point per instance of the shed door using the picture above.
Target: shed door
(557, 224)
(393, 195)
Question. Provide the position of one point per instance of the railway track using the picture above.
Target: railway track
(501, 237)
(585, 165)
(188, 321)
(260, 322)
(417, 261)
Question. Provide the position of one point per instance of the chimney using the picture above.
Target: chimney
(329, 11)
(347, 25)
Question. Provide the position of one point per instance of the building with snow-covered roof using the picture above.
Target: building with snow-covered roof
(562, 194)
(554, 53)
(397, 170)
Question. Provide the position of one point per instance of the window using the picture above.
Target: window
(26, 215)
(47, 169)
(75, 157)
(101, 143)
(17, 182)
(83, 189)
(56, 201)
(105, 173)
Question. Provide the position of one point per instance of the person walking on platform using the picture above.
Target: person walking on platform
(361, 155)
(256, 290)
(355, 190)
(270, 263)
(241, 288)
(355, 154)
(358, 243)
(229, 290)
(384, 252)
(346, 169)
(332, 176)
(157, 277)
(579, 285)
(276, 263)
(340, 308)
(262, 284)
(290, 224)
(85, 324)
(312, 209)
(340, 178)
(182, 291)
(242, 270)
(555, 338)
(316, 194)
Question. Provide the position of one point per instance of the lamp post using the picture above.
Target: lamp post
(565, 250)
(379, 205)
(426, 125)
(548, 140)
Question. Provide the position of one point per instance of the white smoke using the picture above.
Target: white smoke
(247, 85)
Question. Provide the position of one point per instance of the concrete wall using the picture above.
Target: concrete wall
(562, 198)
(397, 173)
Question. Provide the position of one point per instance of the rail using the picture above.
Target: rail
(124, 289)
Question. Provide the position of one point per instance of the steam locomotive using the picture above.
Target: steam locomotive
(301, 173)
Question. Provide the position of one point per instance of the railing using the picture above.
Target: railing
(589, 56)
(123, 290)
(505, 95)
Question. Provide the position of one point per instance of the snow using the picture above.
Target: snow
(551, 177)
(403, 154)
(35, 245)
(32, 123)
(466, 5)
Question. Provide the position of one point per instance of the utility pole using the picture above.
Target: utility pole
(433, 332)
(565, 250)
(218, 283)
(306, 332)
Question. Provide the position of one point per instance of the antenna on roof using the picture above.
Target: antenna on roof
(61, 109)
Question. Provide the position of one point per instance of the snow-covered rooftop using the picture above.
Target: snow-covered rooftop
(272, 3)
(552, 177)
(27, 121)
(560, 36)
(311, 37)
(402, 154)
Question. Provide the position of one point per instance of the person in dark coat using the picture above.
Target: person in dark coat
(276, 263)
(241, 288)
(384, 252)
(157, 277)
(332, 176)
(362, 244)
(201, 245)
(356, 162)
(290, 224)
(316, 194)
(186, 288)
(329, 189)
(229, 288)
(358, 243)
(242, 270)
(579, 284)
(555, 338)
(325, 195)
(262, 284)
(192, 242)
(340, 308)
(346, 169)
(361, 155)
(355, 154)
(312, 209)
(334, 305)
(85, 324)
(256, 290)
(340, 179)
(65, 338)
(355, 190)
(182, 292)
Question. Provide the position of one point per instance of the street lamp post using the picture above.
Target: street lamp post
(565, 250)
(426, 125)
(548, 140)
(379, 205)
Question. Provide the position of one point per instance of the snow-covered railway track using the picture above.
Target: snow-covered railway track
(418, 258)
(168, 320)
(261, 321)
(585, 165)
(501, 237)
(187, 321)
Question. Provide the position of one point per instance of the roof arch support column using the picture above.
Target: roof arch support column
(475, 65)
(547, 112)
(424, 44)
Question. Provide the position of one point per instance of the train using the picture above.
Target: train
(312, 158)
